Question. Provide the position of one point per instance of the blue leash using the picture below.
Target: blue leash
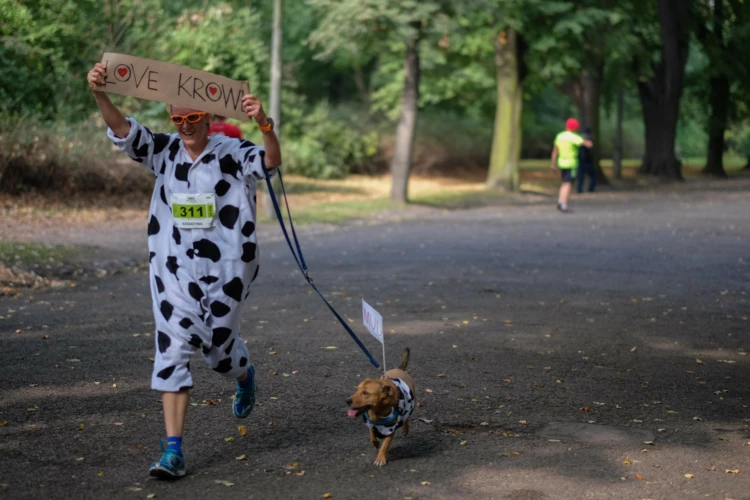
(301, 260)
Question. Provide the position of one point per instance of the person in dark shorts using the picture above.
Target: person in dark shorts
(586, 164)
(565, 159)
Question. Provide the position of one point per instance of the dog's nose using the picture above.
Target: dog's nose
(349, 401)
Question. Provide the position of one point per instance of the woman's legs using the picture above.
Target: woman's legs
(175, 407)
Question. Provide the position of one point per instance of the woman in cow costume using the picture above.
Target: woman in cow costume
(203, 252)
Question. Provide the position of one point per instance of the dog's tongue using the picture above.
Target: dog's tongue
(352, 413)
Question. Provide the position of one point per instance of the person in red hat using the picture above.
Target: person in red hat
(565, 159)
(220, 125)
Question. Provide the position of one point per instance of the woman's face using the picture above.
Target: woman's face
(192, 134)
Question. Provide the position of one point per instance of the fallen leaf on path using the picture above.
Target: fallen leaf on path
(80, 459)
(429, 421)
(639, 477)
(698, 361)
(634, 349)
(649, 442)
(697, 418)
(35, 408)
(428, 390)
(134, 488)
(586, 409)
(627, 460)
(242, 429)
(327, 495)
(80, 427)
(553, 440)
(690, 476)
(225, 483)
(241, 457)
(441, 374)
(300, 473)
(229, 439)
(662, 430)
(524, 422)
(426, 483)
(295, 372)
(331, 348)
(151, 495)
(464, 443)
(3, 423)
(732, 471)
(100, 473)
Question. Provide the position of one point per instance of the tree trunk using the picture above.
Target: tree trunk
(660, 96)
(401, 163)
(719, 101)
(588, 107)
(504, 172)
(274, 100)
(717, 127)
(617, 156)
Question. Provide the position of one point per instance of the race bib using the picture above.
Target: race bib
(193, 211)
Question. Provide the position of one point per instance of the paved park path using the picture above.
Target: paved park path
(601, 355)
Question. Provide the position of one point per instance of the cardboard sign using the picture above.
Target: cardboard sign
(174, 84)
(373, 321)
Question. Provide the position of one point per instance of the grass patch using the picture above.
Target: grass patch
(336, 211)
(457, 199)
(27, 254)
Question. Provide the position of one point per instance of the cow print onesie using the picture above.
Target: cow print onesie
(199, 277)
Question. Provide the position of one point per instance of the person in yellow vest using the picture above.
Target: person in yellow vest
(565, 159)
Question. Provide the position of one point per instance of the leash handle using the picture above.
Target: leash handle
(300, 260)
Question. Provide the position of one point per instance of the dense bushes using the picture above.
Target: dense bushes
(63, 159)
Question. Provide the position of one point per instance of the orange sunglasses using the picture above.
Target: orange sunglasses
(191, 118)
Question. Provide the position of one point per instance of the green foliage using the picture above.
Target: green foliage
(325, 143)
(220, 39)
(343, 74)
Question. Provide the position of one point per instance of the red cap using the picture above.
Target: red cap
(571, 124)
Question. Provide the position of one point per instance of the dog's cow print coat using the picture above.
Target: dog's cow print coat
(199, 277)
(406, 404)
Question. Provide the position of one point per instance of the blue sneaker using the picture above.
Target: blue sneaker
(171, 465)
(244, 398)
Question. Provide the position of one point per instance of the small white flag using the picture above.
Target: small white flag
(373, 321)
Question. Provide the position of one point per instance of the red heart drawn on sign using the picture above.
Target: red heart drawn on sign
(122, 72)
(212, 90)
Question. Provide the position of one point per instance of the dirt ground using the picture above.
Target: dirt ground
(601, 354)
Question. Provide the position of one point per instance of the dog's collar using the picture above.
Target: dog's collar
(388, 421)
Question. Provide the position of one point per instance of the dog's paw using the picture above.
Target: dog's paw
(380, 462)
